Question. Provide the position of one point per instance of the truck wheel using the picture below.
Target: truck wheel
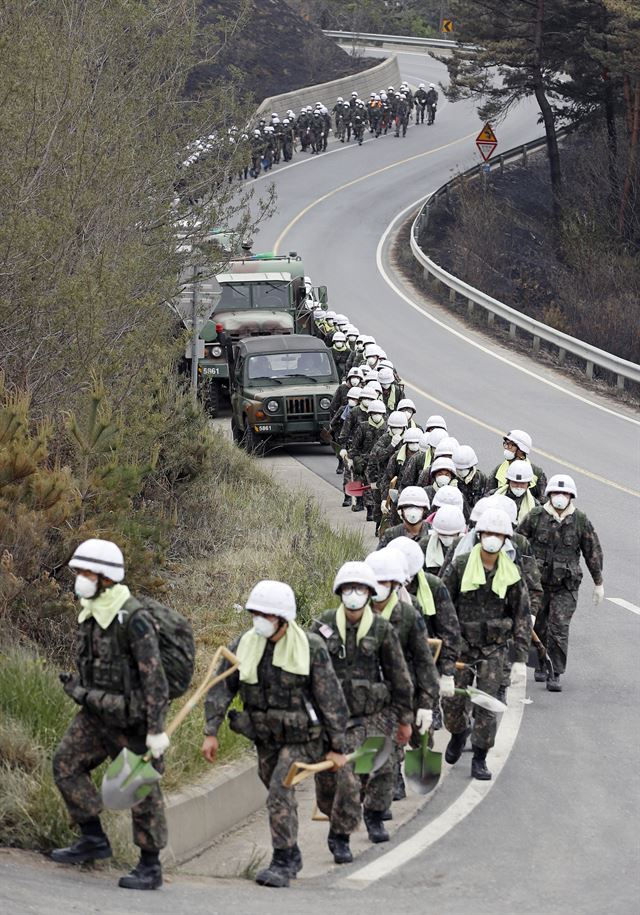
(235, 432)
(213, 399)
(249, 439)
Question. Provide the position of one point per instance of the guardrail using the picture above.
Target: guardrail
(368, 38)
(592, 356)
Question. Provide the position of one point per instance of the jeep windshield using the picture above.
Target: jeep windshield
(238, 296)
(273, 369)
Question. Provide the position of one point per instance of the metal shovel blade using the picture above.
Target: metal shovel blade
(128, 780)
(484, 700)
(422, 767)
(372, 755)
(355, 488)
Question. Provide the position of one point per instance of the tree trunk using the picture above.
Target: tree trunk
(633, 155)
(547, 113)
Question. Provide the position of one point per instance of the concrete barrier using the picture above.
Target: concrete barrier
(364, 83)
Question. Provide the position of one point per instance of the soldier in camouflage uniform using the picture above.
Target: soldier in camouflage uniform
(353, 379)
(393, 470)
(341, 352)
(413, 506)
(294, 710)
(517, 447)
(357, 416)
(472, 483)
(370, 665)
(490, 598)
(379, 458)
(123, 696)
(559, 533)
(417, 463)
(364, 439)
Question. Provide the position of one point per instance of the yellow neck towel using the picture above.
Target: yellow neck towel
(390, 606)
(428, 458)
(366, 622)
(525, 503)
(291, 653)
(434, 553)
(506, 573)
(105, 607)
(424, 595)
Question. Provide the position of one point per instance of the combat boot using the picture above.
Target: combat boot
(375, 827)
(346, 502)
(86, 848)
(359, 506)
(479, 765)
(278, 872)
(553, 683)
(146, 875)
(369, 512)
(340, 467)
(455, 746)
(540, 675)
(296, 862)
(339, 847)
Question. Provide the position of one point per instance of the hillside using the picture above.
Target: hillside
(273, 50)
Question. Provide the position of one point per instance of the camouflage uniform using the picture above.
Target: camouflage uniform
(379, 693)
(392, 396)
(340, 356)
(526, 562)
(486, 623)
(339, 400)
(127, 698)
(289, 717)
(443, 624)
(413, 467)
(378, 459)
(399, 530)
(431, 490)
(364, 440)
(474, 489)
(557, 545)
(356, 417)
(537, 489)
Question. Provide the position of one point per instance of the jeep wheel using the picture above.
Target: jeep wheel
(235, 432)
(250, 441)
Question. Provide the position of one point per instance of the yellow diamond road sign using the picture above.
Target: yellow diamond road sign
(447, 25)
(486, 141)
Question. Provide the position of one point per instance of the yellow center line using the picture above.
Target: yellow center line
(500, 432)
(378, 171)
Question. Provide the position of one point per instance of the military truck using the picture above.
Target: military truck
(259, 295)
(281, 390)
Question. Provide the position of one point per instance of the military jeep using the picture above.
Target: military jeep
(281, 390)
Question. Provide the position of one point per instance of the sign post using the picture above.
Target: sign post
(486, 141)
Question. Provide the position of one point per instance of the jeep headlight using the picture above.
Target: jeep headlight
(272, 406)
(216, 352)
(325, 403)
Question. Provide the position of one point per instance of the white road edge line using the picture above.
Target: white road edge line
(458, 810)
(469, 340)
(625, 603)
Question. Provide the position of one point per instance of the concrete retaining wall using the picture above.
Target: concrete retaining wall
(372, 80)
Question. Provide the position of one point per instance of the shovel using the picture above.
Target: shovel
(422, 767)
(368, 758)
(130, 777)
(483, 700)
(355, 489)
(538, 655)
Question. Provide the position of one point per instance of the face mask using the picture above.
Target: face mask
(518, 491)
(353, 403)
(386, 387)
(360, 347)
(443, 479)
(383, 592)
(412, 515)
(85, 588)
(352, 600)
(377, 420)
(560, 502)
(408, 413)
(264, 627)
(447, 540)
(462, 474)
(371, 360)
(508, 455)
(354, 382)
(413, 446)
(491, 543)
(396, 438)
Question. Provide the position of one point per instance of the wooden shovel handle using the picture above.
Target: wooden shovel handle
(436, 647)
(209, 680)
(298, 771)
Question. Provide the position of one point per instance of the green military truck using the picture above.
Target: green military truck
(281, 389)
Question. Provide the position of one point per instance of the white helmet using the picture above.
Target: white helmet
(449, 495)
(103, 557)
(374, 386)
(446, 446)
(339, 99)
(412, 552)
(559, 482)
(442, 463)
(407, 404)
(342, 319)
(397, 420)
(482, 505)
(339, 337)
(386, 376)
(357, 573)
(432, 85)
(386, 364)
(521, 439)
(411, 436)
(413, 495)
(330, 315)
(421, 86)
(504, 503)
(351, 331)
(436, 436)
(274, 598)
(464, 457)
(436, 422)
(377, 406)
(318, 313)
(424, 441)
(354, 393)
(355, 372)
(372, 349)
(449, 521)
(369, 374)
(520, 472)
(388, 565)
(494, 521)
(365, 339)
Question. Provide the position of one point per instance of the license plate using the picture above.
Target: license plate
(211, 370)
(263, 428)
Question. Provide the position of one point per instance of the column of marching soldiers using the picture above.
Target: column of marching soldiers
(483, 567)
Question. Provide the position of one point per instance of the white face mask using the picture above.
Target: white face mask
(376, 419)
(354, 382)
(446, 540)
(386, 387)
(360, 347)
(518, 491)
(443, 479)
(559, 501)
(372, 360)
(463, 474)
(412, 514)
(353, 600)
(408, 413)
(383, 592)
(85, 587)
(508, 455)
(264, 627)
(413, 446)
(491, 543)
(353, 403)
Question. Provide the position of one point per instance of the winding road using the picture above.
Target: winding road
(558, 832)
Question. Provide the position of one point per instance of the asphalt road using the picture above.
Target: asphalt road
(559, 831)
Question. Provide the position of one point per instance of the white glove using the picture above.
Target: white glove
(518, 672)
(373, 485)
(533, 621)
(424, 720)
(343, 453)
(384, 508)
(447, 686)
(598, 595)
(395, 440)
(158, 744)
(349, 462)
(393, 493)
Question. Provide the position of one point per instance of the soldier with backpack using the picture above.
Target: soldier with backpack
(133, 657)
